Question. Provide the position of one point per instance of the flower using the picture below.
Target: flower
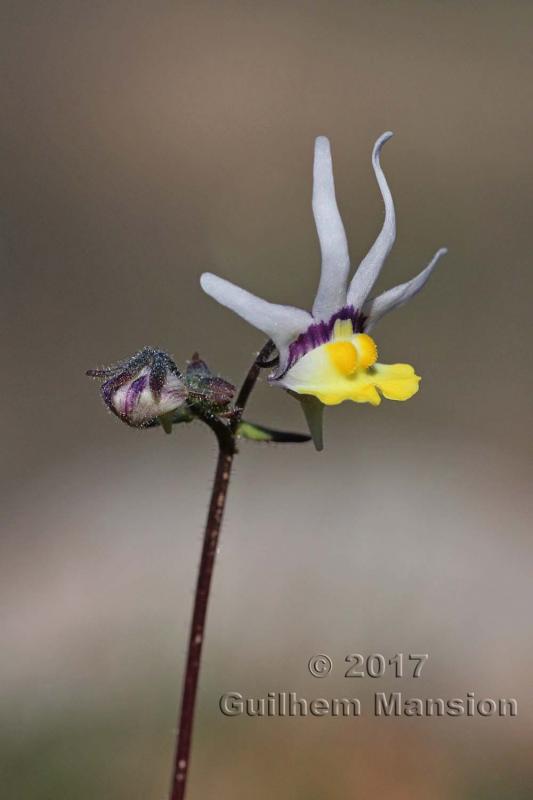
(143, 388)
(327, 356)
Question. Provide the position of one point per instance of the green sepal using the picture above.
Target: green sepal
(314, 413)
(260, 433)
(166, 421)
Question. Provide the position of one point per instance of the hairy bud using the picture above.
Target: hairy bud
(142, 388)
(207, 390)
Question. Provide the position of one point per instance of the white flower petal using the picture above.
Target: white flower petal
(393, 298)
(280, 323)
(331, 294)
(370, 267)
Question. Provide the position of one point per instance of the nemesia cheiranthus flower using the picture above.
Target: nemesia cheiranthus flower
(327, 356)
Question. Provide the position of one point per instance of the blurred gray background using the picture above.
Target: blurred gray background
(141, 144)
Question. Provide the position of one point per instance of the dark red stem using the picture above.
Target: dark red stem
(226, 436)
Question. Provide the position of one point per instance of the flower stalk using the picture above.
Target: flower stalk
(226, 437)
(197, 629)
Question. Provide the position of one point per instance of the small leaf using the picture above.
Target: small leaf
(260, 433)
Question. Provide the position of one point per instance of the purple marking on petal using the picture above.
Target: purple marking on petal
(133, 394)
(319, 333)
(174, 395)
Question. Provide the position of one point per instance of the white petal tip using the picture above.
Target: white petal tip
(437, 257)
(322, 149)
(207, 279)
(380, 142)
(216, 287)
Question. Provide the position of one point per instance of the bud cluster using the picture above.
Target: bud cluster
(148, 389)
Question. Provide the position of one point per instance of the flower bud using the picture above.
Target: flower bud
(142, 388)
(206, 389)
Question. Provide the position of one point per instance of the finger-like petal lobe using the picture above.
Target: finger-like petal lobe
(280, 323)
(375, 308)
(331, 294)
(370, 267)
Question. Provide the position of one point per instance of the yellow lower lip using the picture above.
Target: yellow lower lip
(333, 374)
